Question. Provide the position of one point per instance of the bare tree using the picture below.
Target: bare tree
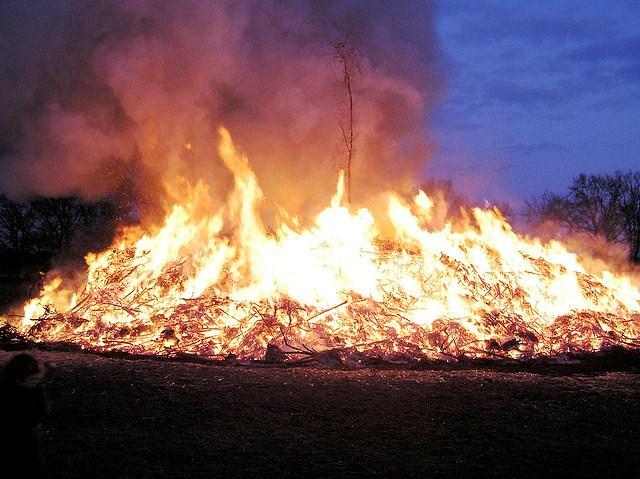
(607, 206)
(56, 221)
(50, 224)
(592, 205)
(348, 58)
(16, 226)
(595, 202)
(629, 206)
(33, 233)
(59, 221)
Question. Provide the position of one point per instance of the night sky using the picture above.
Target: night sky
(538, 92)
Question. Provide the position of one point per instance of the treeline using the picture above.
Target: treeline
(35, 233)
(52, 225)
(606, 206)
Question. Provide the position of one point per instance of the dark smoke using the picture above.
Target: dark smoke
(92, 91)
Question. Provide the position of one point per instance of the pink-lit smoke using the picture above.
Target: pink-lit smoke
(96, 92)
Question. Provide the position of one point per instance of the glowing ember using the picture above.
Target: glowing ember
(220, 284)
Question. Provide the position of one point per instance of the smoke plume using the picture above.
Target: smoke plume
(94, 93)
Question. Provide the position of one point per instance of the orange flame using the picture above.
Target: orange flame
(220, 284)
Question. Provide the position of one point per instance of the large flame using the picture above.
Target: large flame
(223, 284)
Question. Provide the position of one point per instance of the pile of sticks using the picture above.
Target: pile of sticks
(505, 323)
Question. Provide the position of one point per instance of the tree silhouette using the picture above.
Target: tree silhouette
(33, 233)
(16, 226)
(607, 206)
(629, 205)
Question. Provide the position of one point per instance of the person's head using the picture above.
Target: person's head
(20, 367)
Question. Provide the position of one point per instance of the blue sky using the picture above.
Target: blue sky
(538, 92)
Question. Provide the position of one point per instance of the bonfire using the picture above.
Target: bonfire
(222, 284)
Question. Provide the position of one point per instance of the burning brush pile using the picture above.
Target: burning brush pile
(222, 284)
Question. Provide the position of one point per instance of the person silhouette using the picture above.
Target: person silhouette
(23, 406)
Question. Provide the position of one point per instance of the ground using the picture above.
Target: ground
(114, 417)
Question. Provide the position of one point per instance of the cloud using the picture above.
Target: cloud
(509, 22)
(548, 82)
(613, 49)
(611, 63)
(536, 148)
(630, 72)
(537, 29)
(518, 94)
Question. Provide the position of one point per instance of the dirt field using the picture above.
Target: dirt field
(133, 418)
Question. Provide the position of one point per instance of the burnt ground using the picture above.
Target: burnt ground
(114, 417)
